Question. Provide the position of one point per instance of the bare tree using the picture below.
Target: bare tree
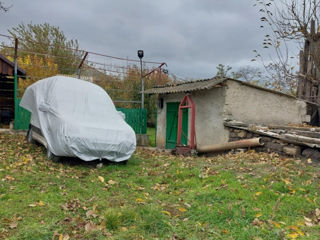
(295, 21)
(292, 20)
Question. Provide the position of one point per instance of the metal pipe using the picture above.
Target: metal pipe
(142, 85)
(253, 142)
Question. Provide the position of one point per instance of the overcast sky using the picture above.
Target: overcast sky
(191, 36)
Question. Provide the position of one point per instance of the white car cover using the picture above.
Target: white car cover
(78, 118)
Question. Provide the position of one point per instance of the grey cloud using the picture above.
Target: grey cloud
(192, 36)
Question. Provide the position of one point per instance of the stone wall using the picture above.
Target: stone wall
(251, 105)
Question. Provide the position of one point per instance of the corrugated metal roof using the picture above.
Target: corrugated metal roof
(186, 86)
(202, 85)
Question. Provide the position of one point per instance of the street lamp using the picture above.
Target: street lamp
(140, 55)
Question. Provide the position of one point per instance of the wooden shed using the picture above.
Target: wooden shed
(7, 89)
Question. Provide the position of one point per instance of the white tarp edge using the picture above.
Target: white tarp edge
(78, 118)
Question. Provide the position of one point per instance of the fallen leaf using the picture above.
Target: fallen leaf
(90, 226)
(101, 179)
(276, 224)
(317, 212)
(182, 209)
(187, 205)
(258, 194)
(308, 222)
(309, 160)
(300, 232)
(293, 235)
(111, 182)
(167, 213)
(293, 227)
(13, 225)
(41, 203)
(140, 200)
(256, 222)
(287, 181)
(258, 215)
(66, 237)
(90, 213)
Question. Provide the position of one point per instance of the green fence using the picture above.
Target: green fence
(136, 118)
(22, 119)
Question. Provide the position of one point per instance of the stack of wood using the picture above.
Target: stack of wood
(292, 140)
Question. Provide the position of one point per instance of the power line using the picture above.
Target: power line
(80, 50)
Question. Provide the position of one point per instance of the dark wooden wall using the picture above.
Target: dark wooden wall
(6, 99)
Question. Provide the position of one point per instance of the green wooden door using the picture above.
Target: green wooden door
(172, 125)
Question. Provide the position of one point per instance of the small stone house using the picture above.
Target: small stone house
(218, 100)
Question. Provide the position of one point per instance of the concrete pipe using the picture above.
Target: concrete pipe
(253, 142)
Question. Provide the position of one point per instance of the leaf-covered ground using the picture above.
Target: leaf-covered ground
(156, 196)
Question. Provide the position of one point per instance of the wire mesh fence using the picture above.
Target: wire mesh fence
(120, 77)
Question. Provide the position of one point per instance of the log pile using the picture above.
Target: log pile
(285, 140)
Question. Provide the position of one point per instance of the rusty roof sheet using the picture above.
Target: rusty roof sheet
(186, 86)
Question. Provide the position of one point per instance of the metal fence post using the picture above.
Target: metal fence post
(16, 84)
(81, 63)
(140, 55)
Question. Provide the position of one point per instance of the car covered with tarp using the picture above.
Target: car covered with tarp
(76, 118)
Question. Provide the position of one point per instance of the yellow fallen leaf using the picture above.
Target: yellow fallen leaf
(287, 181)
(32, 205)
(276, 224)
(300, 232)
(139, 200)
(258, 193)
(167, 213)
(182, 209)
(101, 179)
(309, 200)
(293, 227)
(293, 235)
(258, 215)
(41, 203)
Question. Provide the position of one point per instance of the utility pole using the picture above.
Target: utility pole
(140, 55)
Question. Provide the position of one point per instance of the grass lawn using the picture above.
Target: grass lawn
(235, 196)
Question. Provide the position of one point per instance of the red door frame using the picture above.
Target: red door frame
(187, 102)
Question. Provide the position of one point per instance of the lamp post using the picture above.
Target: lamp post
(140, 55)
